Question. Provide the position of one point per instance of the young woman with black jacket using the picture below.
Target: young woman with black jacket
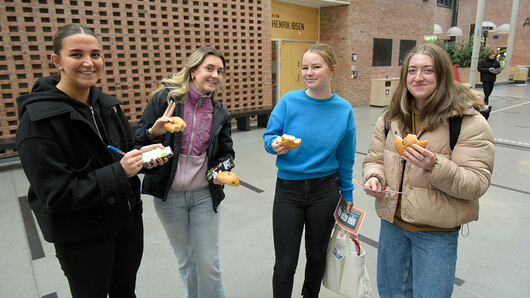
(85, 197)
(186, 198)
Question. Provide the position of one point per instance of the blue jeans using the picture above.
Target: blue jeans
(299, 203)
(193, 231)
(415, 264)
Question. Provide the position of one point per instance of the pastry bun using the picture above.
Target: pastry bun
(228, 178)
(289, 141)
(402, 144)
(177, 125)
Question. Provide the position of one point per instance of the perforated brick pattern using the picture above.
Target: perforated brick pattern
(143, 41)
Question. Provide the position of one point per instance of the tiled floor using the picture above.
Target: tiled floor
(492, 259)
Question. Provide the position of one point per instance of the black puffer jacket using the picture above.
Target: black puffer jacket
(484, 68)
(220, 146)
(78, 189)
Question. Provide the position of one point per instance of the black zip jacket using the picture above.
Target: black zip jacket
(484, 68)
(78, 189)
(220, 146)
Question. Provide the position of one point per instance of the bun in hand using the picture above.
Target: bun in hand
(228, 178)
(289, 141)
(402, 144)
(177, 125)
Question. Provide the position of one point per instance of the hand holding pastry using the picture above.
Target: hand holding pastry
(283, 144)
(402, 144)
(159, 127)
(227, 178)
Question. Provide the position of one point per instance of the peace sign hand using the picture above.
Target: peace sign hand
(158, 128)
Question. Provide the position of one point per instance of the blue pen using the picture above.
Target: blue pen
(115, 149)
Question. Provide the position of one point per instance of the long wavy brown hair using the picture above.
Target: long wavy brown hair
(448, 99)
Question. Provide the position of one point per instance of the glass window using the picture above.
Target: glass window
(446, 3)
(382, 55)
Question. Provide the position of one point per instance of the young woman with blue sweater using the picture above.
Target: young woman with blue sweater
(313, 177)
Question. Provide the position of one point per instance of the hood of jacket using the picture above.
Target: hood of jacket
(47, 100)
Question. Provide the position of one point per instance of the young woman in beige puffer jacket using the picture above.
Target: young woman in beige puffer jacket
(439, 187)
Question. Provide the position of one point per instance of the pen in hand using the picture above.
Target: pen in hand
(115, 149)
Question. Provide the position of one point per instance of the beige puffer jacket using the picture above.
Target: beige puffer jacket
(448, 195)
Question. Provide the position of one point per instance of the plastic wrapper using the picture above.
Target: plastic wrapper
(156, 153)
(340, 245)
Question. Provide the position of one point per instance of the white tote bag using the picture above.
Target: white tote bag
(346, 273)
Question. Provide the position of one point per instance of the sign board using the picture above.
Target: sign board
(294, 22)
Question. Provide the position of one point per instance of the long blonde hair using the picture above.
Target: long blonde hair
(180, 82)
(448, 98)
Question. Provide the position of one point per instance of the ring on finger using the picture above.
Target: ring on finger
(423, 158)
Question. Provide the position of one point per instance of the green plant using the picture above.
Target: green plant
(460, 53)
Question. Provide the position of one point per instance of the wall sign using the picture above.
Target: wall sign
(291, 21)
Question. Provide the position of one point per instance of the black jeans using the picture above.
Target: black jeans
(297, 203)
(106, 265)
(488, 88)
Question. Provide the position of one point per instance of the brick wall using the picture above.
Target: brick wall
(143, 41)
(499, 12)
(352, 28)
(443, 17)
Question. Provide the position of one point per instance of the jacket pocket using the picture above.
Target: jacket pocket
(83, 168)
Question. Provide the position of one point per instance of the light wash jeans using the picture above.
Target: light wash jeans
(415, 264)
(193, 231)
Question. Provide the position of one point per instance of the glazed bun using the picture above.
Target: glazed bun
(402, 144)
(228, 178)
(289, 141)
(177, 125)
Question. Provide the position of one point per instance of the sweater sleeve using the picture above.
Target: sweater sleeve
(346, 160)
(275, 126)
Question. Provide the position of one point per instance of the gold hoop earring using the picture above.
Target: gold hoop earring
(192, 77)
(59, 68)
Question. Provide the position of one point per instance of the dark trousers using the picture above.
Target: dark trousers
(106, 265)
(488, 88)
(297, 203)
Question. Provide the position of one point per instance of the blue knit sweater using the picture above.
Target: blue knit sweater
(327, 130)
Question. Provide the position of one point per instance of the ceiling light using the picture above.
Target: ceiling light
(489, 26)
(503, 29)
(438, 29)
(454, 31)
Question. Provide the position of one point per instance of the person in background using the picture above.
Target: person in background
(488, 76)
(313, 177)
(85, 197)
(439, 187)
(186, 200)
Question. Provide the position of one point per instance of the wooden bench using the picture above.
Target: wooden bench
(8, 143)
(243, 117)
